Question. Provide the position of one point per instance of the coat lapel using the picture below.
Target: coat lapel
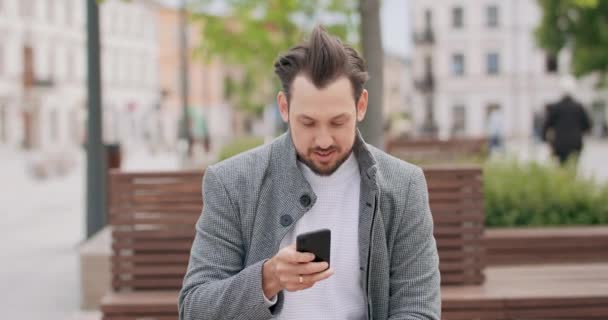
(287, 192)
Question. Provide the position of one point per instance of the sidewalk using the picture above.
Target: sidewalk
(42, 225)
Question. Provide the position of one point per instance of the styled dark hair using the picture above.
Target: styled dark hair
(323, 59)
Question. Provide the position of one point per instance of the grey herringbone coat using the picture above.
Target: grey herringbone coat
(252, 200)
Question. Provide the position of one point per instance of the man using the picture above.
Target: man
(494, 128)
(565, 124)
(320, 174)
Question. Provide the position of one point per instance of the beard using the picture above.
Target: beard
(324, 169)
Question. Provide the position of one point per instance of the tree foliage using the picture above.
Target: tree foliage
(582, 27)
(251, 34)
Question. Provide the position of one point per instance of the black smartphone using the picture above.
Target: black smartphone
(317, 242)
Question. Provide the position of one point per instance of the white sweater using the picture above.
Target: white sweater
(337, 209)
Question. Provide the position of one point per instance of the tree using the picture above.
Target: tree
(372, 127)
(580, 26)
(251, 34)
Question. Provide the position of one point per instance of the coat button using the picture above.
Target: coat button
(305, 200)
(286, 220)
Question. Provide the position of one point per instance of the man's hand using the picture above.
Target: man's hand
(288, 267)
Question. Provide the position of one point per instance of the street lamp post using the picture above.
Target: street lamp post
(96, 162)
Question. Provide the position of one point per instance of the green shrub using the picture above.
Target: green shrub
(532, 194)
(239, 145)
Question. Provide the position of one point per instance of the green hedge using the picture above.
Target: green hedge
(530, 194)
(239, 145)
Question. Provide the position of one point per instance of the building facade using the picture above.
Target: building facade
(43, 72)
(471, 56)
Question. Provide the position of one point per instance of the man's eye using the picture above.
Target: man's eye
(308, 124)
(338, 124)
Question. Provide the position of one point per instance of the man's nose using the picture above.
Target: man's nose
(324, 139)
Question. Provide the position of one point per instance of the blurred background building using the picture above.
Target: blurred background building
(472, 56)
(43, 72)
(130, 73)
(43, 76)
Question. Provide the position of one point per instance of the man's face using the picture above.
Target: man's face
(322, 121)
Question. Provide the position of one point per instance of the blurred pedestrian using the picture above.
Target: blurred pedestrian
(495, 129)
(566, 122)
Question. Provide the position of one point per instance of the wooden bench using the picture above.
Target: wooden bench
(153, 217)
(517, 246)
(434, 151)
(456, 200)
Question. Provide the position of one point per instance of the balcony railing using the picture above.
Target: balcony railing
(424, 37)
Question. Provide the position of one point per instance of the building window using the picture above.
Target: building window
(457, 17)
(492, 16)
(458, 64)
(551, 63)
(459, 123)
(492, 63)
(428, 19)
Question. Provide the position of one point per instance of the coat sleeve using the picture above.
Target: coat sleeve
(414, 275)
(216, 285)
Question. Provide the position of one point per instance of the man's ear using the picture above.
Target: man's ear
(362, 105)
(283, 106)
